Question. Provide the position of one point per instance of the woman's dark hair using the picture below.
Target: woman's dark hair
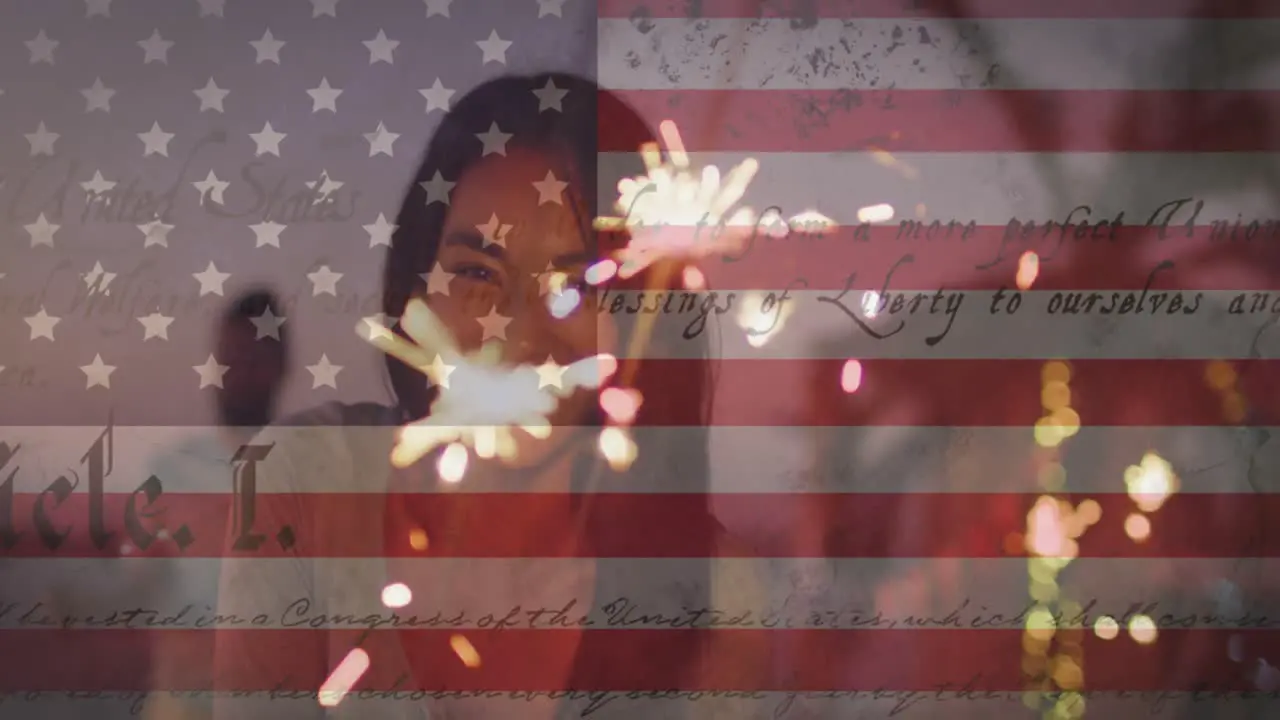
(572, 132)
(673, 419)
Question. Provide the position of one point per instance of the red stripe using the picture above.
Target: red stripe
(994, 9)
(941, 392)
(1002, 393)
(620, 525)
(1087, 255)
(959, 120)
(520, 659)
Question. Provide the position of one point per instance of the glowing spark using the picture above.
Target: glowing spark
(1142, 629)
(1055, 371)
(1055, 395)
(1040, 624)
(773, 225)
(886, 159)
(343, 677)
(810, 221)
(561, 304)
(479, 403)
(1151, 482)
(618, 448)
(453, 463)
(1089, 512)
(1047, 532)
(621, 405)
(1137, 527)
(875, 213)
(1106, 627)
(693, 278)
(551, 374)
(851, 376)
(1220, 375)
(669, 195)
(601, 272)
(871, 304)
(465, 651)
(1028, 269)
(418, 539)
(396, 595)
(761, 326)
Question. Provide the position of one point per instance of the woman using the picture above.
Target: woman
(495, 268)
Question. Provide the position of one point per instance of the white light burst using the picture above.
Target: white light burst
(480, 403)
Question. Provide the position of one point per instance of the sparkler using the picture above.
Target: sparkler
(480, 402)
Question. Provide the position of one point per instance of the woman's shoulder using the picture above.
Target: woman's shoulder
(340, 415)
(327, 443)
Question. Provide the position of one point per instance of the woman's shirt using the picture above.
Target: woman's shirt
(336, 573)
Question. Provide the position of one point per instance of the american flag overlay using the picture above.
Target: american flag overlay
(995, 372)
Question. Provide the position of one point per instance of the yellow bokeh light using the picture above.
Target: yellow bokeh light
(1220, 375)
(1137, 527)
(1049, 433)
(1040, 623)
(1055, 371)
(1106, 627)
(418, 539)
(1069, 706)
(1055, 395)
(1067, 420)
(465, 651)
(1142, 629)
(1089, 512)
(1066, 673)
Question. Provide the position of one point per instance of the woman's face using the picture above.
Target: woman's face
(510, 226)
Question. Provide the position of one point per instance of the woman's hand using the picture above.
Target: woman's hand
(674, 214)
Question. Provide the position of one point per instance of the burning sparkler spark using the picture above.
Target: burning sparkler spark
(875, 213)
(618, 448)
(343, 677)
(465, 651)
(762, 326)
(1151, 482)
(669, 194)
(479, 402)
(621, 405)
(851, 376)
(396, 595)
(1137, 527)
(1028, 270)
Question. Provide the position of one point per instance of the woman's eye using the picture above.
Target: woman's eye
(476, 272)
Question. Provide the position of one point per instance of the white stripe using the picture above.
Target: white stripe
(872, 594)
(930, 54)
(882, 459)
(818, 327)
(989, 188)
